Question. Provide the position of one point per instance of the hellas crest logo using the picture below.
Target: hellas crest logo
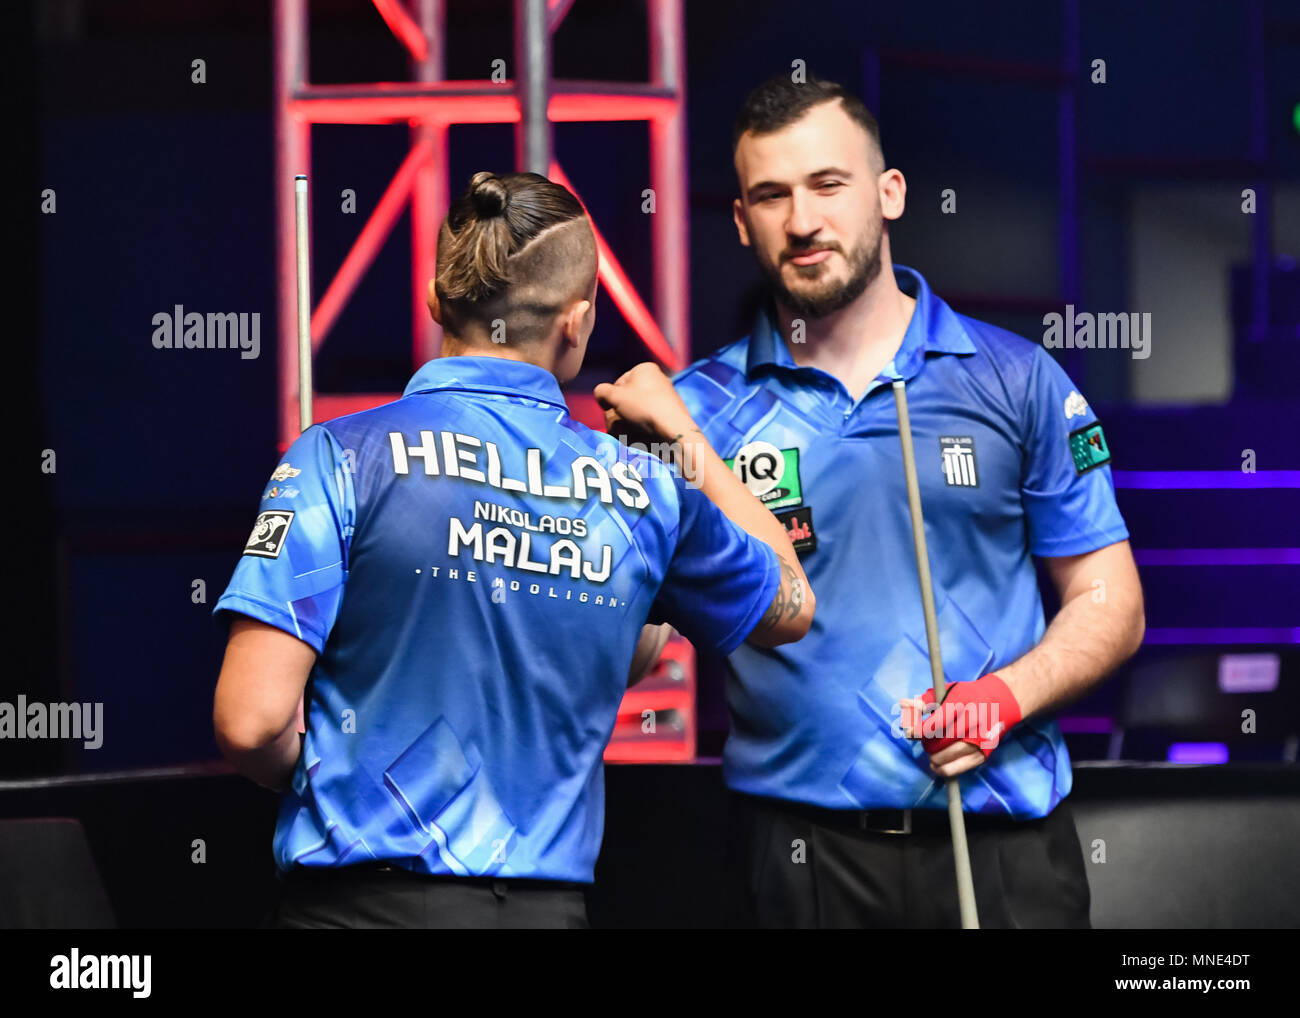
(771, 474)
(269, 533)
(958, 456)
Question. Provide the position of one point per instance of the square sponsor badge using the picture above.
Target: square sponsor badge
(772, 474)
(269, 532)
(798, 525)
(957, 459)
(1089, 449)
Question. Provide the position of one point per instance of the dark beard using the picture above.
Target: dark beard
(864, 267)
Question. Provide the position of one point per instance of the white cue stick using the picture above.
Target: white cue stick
(960, 852)
(304, 338)
(304, 304)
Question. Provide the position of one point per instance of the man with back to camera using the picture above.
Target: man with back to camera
(839, 817)
(459, 581)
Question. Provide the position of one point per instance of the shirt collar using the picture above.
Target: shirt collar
(934, 328)
(488, 374)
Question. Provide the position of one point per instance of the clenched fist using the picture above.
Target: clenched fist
(645, 400)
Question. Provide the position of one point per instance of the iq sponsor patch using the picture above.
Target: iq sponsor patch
(771, 474)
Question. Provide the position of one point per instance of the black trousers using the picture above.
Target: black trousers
(798, 866)
(378, 897)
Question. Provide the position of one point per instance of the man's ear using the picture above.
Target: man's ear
(574, 320)
(893, 194)
(738, 214)
(435, 308)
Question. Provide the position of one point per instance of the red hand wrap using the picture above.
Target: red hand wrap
(978, 712)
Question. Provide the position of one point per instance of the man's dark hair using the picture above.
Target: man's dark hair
(780, 101)
(513, 247)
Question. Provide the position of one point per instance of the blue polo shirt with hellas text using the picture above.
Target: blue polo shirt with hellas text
(473, 568)
(1012, 464)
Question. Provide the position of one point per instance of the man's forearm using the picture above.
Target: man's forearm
(644, 399)
(1086, 641)
(648, 650)
(704, 468)
(272, 765)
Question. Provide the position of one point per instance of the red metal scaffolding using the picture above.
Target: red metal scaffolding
(429, 104)
(531, 100)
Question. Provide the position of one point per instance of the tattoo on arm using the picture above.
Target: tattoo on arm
(795, 598)
(676, 454)
(788, 601)
(774, 612)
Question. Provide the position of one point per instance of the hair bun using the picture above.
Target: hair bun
(488, 194)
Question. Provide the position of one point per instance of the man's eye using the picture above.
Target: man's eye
(830, 185)
(768, 196)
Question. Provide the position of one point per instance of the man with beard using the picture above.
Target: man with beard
(839, 814)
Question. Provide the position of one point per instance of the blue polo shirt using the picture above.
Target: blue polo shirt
(1012, 464)
(473, 568)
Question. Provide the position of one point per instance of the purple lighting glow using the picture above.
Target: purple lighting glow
(1217, 556)
(1088, 725)
(1189, 479)
(1249, 673)
(1198, 753)
(1224, 635)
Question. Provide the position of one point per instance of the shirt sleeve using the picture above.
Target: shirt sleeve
(719, 581)
(1068, 493)
(294, 563)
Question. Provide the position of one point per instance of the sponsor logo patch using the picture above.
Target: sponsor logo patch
(771, 474)
(1089, 449)
(1075, 405)
(269, 532)
(958, 453)
(284, 471)
(798, 525)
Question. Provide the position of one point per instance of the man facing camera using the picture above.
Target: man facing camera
(840, 814)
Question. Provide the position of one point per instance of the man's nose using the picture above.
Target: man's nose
(804, 220)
